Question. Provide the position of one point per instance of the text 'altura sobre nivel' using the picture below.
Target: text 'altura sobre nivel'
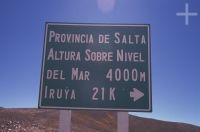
(90, 55)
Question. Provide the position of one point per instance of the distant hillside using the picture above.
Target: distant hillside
(29, 120)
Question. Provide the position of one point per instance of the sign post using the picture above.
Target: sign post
(96, 67)
(122, 122)
(65, 121)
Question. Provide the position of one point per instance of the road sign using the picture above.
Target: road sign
(96, 66)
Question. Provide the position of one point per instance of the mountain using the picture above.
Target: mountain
(45, 120)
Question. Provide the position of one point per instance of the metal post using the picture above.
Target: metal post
(122, 122)
(65, 121)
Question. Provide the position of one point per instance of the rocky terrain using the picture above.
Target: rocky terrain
(40, 120)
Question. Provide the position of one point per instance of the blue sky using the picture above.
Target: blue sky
(175, 48)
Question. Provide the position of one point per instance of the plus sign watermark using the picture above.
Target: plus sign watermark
(187, 14)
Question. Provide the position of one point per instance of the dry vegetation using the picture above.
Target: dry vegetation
(34, 120)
